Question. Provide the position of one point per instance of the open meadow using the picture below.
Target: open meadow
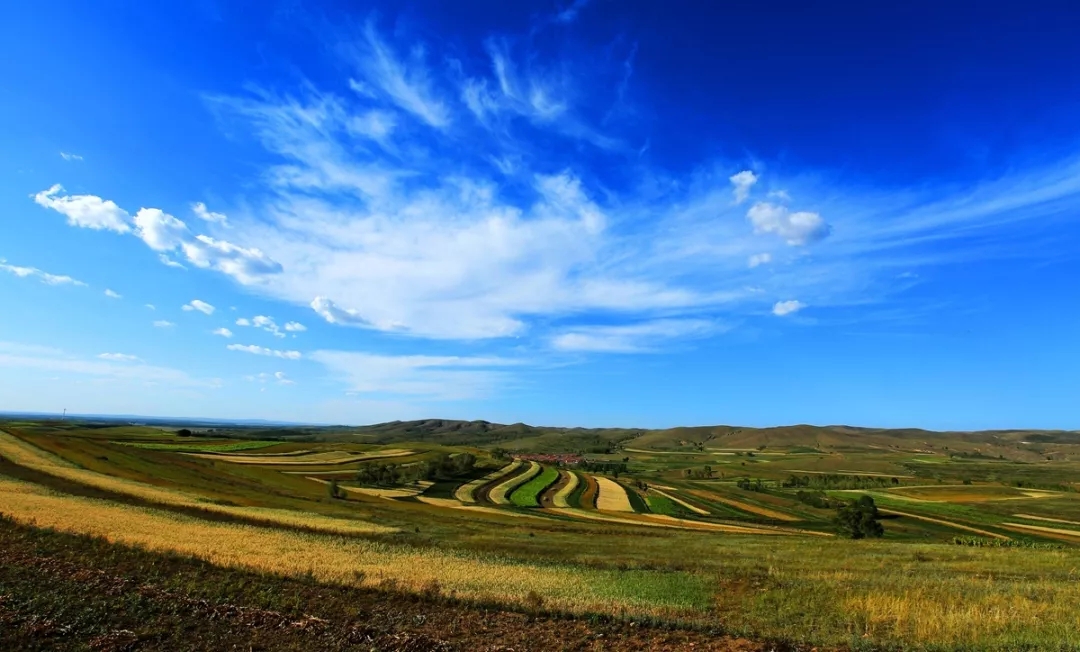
(730, 538)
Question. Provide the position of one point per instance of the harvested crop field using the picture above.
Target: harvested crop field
(970, 494)
(326, 458)
(612, 496)
(349, 562)
(383, 492)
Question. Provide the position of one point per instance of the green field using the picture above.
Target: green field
(527, 494)
(756, 557)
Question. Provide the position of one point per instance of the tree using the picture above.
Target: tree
(183, 432)
(335, 490)
(859, 519)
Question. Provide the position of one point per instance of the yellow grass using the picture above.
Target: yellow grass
(466, 493)
(692, 508)
(561, 497)
(312, 459)
(939, 521)
(31, 457)
(1047, 519)
(403, 492)
(747, 507)
(612, 496)
(475, 509)
(341, 561)
(499, 492)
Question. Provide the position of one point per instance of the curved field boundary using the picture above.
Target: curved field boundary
(1050, 532)
(466, 493)
(31, 457)
(388, 493)
(547, 497)
(587, 500)
(939, 521)
(612, 497)
(329, 458)
(657, 520)
(528, 494)
(205, 446)
(450, 503)
(562, 498)
(746, 507)
(499, 494)
(1032, 517)
(693, 508)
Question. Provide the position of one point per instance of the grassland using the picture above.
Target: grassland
(722, 544)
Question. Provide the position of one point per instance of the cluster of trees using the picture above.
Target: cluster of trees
(595, 466)
(817, 499)
(756, 484)
(700, 474)
(443, 467)
(837, 481)
(859, 519)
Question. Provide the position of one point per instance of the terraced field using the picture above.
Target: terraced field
(612, 496)
(528, 494)
(322, 458)
(499, 494)
(466, 493)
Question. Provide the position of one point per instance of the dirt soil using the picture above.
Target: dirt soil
(63, 592)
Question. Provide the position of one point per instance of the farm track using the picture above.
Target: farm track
(746, 507)
(1052, 532)
(588, 497)
(687, 505)
(940, 521)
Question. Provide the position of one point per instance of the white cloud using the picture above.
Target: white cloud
(159, 230)
(796, 229)
(280, 377)
(161, 323)
(759, 259)
(169, 262)
(246, 265)
(86, 211)
(295, 327)
(67, 156)
(782, 195)
(150, 306)
(407, 84)
(261, 350)
(34, 272)
(629, 338)
(262, 322)
(207, 215)
(224, 332)
(570, 13)
(742, 182)
(439, 378)
(113, 295)
(118, 357)
(787, 307)
(202, 306)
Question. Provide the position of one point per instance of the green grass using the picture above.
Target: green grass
(527, 495)
(664, 505)
(202, 446)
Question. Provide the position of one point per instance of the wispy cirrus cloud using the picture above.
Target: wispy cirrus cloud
(116, 367)
(456, 198)
(434, 378)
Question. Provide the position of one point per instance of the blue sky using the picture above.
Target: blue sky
(563, 213)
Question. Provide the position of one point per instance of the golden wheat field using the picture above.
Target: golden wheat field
(612, 496)
(500, 493)
(309, 459)
(562, 496)
(466, 493)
